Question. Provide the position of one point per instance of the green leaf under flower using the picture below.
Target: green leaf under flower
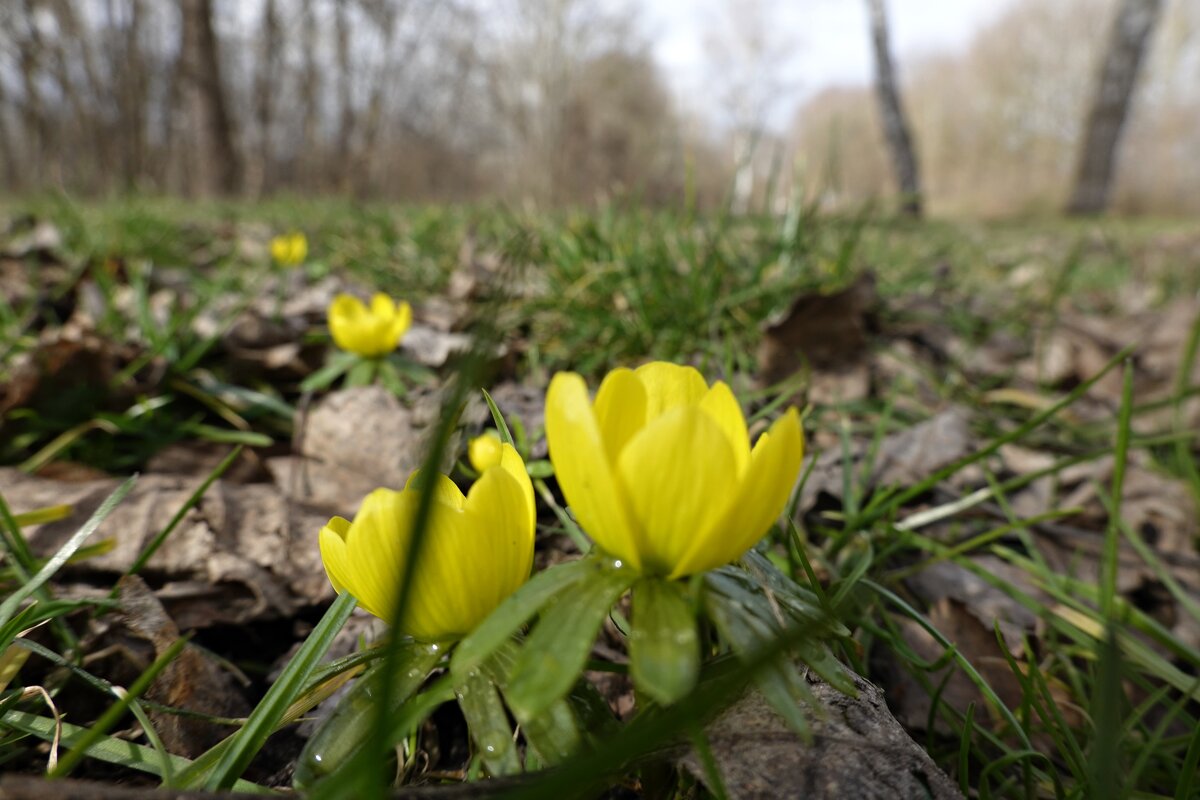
(555, 653)
(664, 648)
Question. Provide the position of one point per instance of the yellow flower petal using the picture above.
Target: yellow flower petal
(679, 474)
(376, 549)
(345, 315)
(383, 306)
(442, 603)
(510, 461)
(620, 410)
(669, 385)
(332, 541)
(723, 407)
(401, 323)
(445, 491)
(583, 468)
(498, 508)
(761, 496)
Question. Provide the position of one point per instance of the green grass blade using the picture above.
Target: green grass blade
(959, 659)
(1112, 535)
(1191, 765)
(112, 751)
(498, 419)
(712, 772)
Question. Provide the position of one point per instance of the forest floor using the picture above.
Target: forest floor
(998, 501)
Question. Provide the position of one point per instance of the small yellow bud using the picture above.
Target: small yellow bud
(484, 451)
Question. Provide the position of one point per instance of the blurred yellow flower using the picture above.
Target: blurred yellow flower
(485, 450)
(369, 332)
(476, 551)
(289, 250)
(659, 469)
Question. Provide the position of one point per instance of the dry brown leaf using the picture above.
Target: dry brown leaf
(257, 343)
(1160, 508)
(72, 365)
(909, 699)
(23, 280)
(824, 332)
(981, 599)
(244, 552)
(357, 440)
(1079, 345)
(199, 457)
(193, 681)
(902, 458)
(431, 347)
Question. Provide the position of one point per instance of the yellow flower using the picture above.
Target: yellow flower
(289, 250)
(369, 332)
(659, 469)
(476, 551)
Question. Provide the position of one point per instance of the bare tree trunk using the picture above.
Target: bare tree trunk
(267, 86)
(1135, 21)
(895, 122)
(345, 96)
(131, 88)
(310, 94)
(8, 151)
(76, 122)
(42, 153)
(75, 48)
(215, 168)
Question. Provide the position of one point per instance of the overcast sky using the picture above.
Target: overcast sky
(831, 40)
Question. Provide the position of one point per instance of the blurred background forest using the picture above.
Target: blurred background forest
(563, 102)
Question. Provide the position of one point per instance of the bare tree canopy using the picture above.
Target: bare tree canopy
(554, 100)
(1135, 21)
(574, 101)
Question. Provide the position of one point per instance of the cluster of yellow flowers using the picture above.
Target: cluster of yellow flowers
(658, 470)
